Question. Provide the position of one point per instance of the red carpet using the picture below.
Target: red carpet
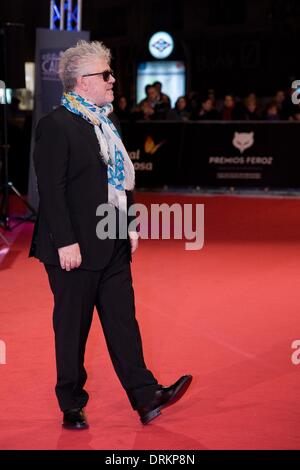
(227, 314)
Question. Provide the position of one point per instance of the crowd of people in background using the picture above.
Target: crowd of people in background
(157, 106)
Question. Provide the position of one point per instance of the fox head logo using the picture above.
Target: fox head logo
(150, 146)
(243, 140)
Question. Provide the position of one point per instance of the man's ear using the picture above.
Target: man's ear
(82, 84)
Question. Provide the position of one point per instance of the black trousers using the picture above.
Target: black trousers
(76, 293)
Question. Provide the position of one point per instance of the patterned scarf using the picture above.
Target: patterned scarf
(120, 170)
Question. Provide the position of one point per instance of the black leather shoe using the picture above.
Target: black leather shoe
(166, 396)
(75, 419)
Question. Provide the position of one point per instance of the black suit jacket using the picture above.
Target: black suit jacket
(72, 183)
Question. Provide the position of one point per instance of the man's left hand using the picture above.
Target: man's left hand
(134, 241)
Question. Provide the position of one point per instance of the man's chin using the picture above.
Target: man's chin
(109, 97)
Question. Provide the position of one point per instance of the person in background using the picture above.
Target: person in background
(295, 117)
(151, 107)
(249, 112)
(231, 109)
(193, 104)
(211, 94)
(162, 97)
(122, 109)
(180, 111)
(280, 100)
(228, 107)
(271, 112)
(207, 111)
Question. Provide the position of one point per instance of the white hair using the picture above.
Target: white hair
(75, 61)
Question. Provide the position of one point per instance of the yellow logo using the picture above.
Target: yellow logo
(150, 146)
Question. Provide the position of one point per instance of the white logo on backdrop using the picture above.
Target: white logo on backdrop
(49, 65)
(243, 140)
(161, 45)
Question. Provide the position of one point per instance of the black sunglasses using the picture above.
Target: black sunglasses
(106, 74)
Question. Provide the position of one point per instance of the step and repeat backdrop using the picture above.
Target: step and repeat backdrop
(252, 154)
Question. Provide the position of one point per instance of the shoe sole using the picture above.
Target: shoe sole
(177, 395)
(80, 427)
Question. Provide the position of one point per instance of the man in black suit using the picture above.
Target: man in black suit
(81, 164)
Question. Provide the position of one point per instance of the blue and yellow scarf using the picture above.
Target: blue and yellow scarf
(120, 170)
